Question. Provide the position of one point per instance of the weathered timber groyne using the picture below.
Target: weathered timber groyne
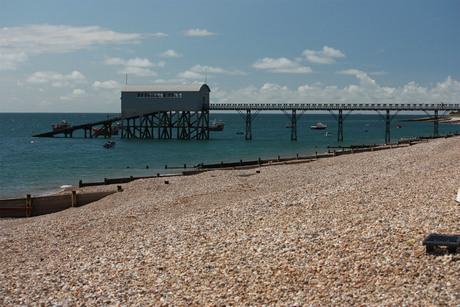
(40, 205)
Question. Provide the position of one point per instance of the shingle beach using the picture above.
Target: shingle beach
(339, 231)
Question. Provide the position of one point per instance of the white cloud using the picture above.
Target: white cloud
(18, 43)
(136, 62)
(111, 84)
(158, 34)
(216, 70)
(11, 61)
(137, 66)
(199, 72)
(325, 56)
(191, 75)
(57, 79)
(281, 65)
(76, 94)
(171, 54)
(198, 32)
(364, 79)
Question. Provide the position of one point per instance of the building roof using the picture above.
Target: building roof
(164, 87)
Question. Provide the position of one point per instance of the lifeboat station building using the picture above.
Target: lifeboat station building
(165, 111)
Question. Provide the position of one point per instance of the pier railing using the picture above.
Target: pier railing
(333, 106)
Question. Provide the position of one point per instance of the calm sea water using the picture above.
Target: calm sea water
(42, 165)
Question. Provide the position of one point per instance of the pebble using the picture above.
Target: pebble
(340, 231)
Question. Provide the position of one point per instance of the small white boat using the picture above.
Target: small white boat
(327, 133)
(319, 126)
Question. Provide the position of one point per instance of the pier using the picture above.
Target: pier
(195, 124)
(387, 112)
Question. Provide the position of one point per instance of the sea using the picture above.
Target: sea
(40, 166)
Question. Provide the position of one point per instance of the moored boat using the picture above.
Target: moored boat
(319, 126)
(216, 126)
(62, 125)
(109, 144)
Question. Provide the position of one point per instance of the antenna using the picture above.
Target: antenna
(205, 75)
(126, 79)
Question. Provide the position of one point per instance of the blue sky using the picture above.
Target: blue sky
(73, 56)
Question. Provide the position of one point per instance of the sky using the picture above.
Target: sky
(76, 56)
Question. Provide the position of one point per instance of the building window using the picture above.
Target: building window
(159, 95)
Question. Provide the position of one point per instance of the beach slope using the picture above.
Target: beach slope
(346, 230)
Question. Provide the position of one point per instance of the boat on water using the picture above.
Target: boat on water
(319, 126)
(109, 144)
(62, 125)
(216, 126)
(327, 133)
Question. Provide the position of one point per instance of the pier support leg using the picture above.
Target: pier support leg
(340, 127)
(248, 119)
(248, 125)
(340, 118)
(294, 118)
(294, 125)
(387, 127)
(436, 123)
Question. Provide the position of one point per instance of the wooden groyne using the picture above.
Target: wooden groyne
(33, 206)
(108, 181)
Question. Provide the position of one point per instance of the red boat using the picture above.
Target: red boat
(216, 126)
(62, 125)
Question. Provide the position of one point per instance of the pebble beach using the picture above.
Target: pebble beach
(346, 230)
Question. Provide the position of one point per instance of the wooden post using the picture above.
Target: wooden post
(28, 206)
(74, 199)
